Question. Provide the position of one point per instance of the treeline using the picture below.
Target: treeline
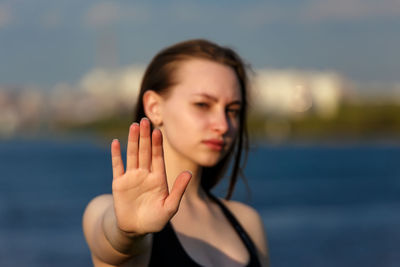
(351, 122)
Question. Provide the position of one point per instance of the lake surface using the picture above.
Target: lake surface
(322, 205)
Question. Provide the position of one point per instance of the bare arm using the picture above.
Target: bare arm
(108, 244)
(117, 227)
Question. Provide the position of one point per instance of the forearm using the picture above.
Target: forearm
(107, 243)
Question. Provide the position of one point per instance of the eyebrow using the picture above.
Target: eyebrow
(212, 98)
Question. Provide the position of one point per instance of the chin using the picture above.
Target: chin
(209, 162)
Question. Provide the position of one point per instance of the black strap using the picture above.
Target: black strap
(239, 229)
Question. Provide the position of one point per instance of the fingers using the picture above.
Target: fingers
(133, 147)
(179, 187)
(117, 164)
(157, 160)
(144, 144)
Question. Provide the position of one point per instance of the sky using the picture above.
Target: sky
(47, 42)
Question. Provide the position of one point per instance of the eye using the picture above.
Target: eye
(202, 105)
(234, 112)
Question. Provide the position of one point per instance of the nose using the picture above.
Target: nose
(221, 122)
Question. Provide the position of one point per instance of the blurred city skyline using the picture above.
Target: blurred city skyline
(51, 44)
(103, 95)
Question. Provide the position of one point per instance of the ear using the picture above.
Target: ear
(152, 107)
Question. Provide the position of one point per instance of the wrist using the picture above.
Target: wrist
(125, 242)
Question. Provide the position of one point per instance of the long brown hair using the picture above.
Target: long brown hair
(159, 77)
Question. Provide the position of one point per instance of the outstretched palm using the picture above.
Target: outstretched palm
(142, 201)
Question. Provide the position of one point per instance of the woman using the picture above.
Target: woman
(161, 211)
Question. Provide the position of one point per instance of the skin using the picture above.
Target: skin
(196, 123)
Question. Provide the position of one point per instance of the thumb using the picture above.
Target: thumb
(179, 187)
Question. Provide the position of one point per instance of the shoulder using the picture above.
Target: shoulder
(243, 212)
(248, 217)
(252, 222)
(92, 213)
(100, 201)
(96, 206)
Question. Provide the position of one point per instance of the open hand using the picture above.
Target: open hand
(142, 201)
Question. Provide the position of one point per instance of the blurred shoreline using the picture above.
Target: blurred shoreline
(285, 106)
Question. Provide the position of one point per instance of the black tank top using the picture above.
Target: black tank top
(168, 251)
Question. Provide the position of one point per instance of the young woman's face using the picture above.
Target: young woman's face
(200, 115)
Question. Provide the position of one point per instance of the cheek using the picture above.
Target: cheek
(180, 122)
(185, 117)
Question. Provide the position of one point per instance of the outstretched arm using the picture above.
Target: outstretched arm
(116, 228)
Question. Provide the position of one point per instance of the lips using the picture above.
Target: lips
(215, 144)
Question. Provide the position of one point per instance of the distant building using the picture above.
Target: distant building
(20, 109)
(8, 114)
(100, 93)
(291, 93)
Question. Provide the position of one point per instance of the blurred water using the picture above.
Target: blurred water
(322, 205)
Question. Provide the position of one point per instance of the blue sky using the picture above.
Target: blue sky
(45, 42)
